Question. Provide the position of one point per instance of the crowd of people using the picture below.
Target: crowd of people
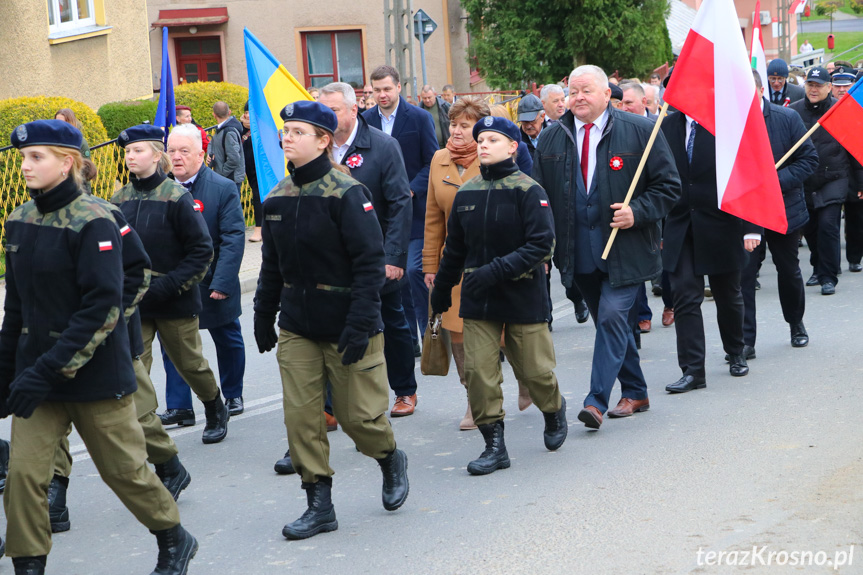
(392, 212)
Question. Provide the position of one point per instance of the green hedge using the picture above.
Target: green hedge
(117, 116)
(15, 111)
(200, 97)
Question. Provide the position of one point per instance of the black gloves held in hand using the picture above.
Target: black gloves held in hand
(353, 344)
(479, 279)
(161, 288)
(30, 389)
(265, 332)
(440, 299)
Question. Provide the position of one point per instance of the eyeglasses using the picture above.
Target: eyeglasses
(292, 135)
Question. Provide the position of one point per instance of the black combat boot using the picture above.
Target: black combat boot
(174, 476)
(285, 466)
(395, 471)
(555, 427)
(30, 565)
(4, 463)
(57, 509)
(320, 517)
(177, 547)
(495, 456)
(216, 428)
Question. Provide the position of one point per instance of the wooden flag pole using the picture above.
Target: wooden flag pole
(798, 144)
(641, 163)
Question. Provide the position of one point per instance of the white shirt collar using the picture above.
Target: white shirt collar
(340, 151)
(190, 180)
(222, 124)
(598, 123)
(393, 115)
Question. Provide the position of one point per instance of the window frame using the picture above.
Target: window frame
(331, 32)
(76, 23)
(200, 59)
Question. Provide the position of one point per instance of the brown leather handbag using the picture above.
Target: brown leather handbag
(436, 351)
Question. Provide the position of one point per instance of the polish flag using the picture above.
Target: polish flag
(797, 7)
(105, 246)
(714, 54)
(756, 50)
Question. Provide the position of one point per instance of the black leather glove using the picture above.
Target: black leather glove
(353, 344)
(30, 389)
(479, 279)
(265, 332)
(161, 288)
(440, 299)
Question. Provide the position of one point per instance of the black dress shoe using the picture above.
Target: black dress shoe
(748, 353)
(4, 463)
(686, 383)
(582, 314)
(394, 468)
(657, 290)
(235, 405)
(738, 367)
(828, 288)
(813, 281)
(417, 351)
(799, 337)
(757, 285)
(181, 417)
(855, 268)
(57, 510)
(285, 466)
(216, 426)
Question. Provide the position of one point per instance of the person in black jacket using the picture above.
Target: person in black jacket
(501, 235)
(827, 188)
(64, 353)
(251, 173)
(322, 271)
(176, 238)
(784, 128)
(780, 91)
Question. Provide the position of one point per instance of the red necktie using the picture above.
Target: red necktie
(585, 154)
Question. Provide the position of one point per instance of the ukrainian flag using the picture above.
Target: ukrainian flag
(271, 88)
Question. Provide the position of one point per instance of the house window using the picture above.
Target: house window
(70, 14)
(199, 59)
(334, 57)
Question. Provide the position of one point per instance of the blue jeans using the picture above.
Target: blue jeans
(231, 356)
(614, 353)
(415, 294)
(642, 305)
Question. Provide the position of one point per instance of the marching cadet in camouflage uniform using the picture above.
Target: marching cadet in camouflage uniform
(501, 233)
(64, 354)
(161, 449)
(179, 245)
(323, 268)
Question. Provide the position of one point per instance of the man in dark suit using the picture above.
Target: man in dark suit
(414, 129)
(586, 162)
(217, 200)
(781, 92)
(699, 239)
(375, 159)
(784, 128)
(635, 100)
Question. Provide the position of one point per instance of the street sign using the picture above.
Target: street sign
(423, 26)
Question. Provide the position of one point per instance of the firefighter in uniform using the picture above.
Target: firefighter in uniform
(64, 354)
(176, 238)
(322, 272)
(501, 234)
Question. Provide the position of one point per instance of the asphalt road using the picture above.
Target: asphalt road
(851, 25)
(772, 460)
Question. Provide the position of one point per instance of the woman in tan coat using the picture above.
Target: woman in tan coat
(450, 167)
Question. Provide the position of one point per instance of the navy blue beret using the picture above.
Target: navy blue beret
(47, 133)
(140, 133)
(616, 91)
(499, 125)
(311, 112)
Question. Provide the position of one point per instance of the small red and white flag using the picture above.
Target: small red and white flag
(756, 50)
(797, 7)
(368, 206)
(125, 230)
(543, 203)
(106, 246)
(713, 81)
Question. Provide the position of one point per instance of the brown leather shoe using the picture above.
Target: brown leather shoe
(667, 316)
(332, 424)
(404, 405)
(626, 407)
(644, 326)
(590, 417)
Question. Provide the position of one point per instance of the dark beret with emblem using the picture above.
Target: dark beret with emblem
(140, 133)
(311, 112)
(616, 91)
(47, 133)
(499, 125)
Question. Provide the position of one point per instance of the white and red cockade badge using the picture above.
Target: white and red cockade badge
(354, 161)
(125, 230)
(199, 206)
(106, 246)
(368, 206)
(543, 203)
(616, 163)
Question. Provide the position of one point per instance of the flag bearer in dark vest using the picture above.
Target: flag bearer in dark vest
(501, 234)
(322, 271)
(64, 354)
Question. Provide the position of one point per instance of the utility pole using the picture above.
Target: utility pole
(399, 46)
